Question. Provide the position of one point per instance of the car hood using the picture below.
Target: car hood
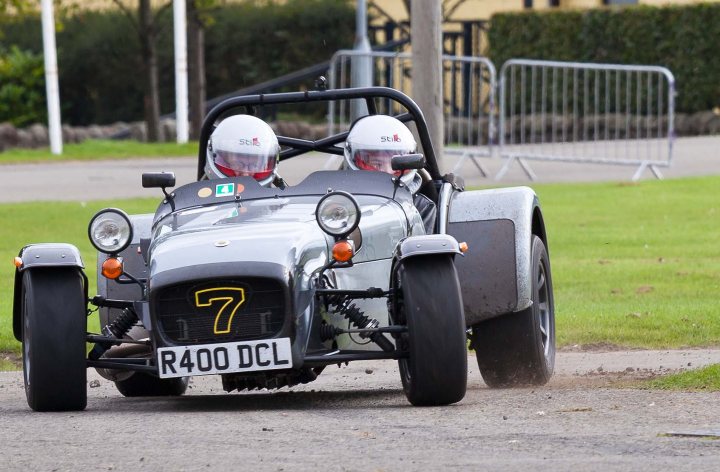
(297, 246)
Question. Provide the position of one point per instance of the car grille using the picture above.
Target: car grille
(196, 313)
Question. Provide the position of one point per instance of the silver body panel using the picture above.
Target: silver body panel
(289, 237)
(362, 276)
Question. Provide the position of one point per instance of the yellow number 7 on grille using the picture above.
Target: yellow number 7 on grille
(231, 296)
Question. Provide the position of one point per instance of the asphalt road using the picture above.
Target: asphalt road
(357, 418)
(121, 178)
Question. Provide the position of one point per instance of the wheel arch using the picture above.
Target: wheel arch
(38, 256)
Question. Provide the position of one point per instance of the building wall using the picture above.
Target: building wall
(469, 10)
(484, 9)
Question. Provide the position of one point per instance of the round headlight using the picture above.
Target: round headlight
(110, 230)
(338, 214)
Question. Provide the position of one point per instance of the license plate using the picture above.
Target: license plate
(224, 358)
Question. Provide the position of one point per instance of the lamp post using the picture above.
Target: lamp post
(51, 77)
(181, 70)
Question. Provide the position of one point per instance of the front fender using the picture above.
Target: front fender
(423, 245)
(40, 255)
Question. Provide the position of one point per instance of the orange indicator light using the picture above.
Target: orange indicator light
(112, 268)
(463, 247)
(342, 251)
(18, 262)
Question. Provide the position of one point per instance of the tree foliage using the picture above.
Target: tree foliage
(22, 97)
(99, 63)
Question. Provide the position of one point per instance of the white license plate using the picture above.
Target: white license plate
(224, 358)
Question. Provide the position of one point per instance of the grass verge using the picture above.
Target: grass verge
(705, 379)
(635, 265)
(98, 150)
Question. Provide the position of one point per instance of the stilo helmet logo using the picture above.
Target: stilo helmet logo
(390, 139)
(248, 142)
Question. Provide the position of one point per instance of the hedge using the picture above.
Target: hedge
(685, 39)
(101, 79)
(22, 86)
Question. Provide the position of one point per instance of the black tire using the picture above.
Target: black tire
(435, 373)
(54, 314)
(145, 385)
(518, 349)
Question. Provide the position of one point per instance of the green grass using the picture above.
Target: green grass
(633, 265)
(99, 149)
(636, 265)
(705, 379)
(26, 223)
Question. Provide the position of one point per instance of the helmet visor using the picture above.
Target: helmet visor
(380, 160)
(259, 165)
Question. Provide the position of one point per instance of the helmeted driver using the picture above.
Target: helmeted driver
(243, 145)
(370, 145)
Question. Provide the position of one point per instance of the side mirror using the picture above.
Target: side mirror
(158, 179)
(408, 161)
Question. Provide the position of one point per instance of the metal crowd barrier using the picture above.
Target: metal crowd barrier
(469, 98)
(581, 112)
(549, 110)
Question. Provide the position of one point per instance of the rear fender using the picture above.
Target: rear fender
(498, 225)
(34, 256)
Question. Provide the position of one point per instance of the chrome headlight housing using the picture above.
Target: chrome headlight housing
(338, 214)
(110, 230)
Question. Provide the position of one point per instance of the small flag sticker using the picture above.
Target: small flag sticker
(224, 190)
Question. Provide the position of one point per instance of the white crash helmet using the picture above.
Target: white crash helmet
(242, 145)
(374, 140)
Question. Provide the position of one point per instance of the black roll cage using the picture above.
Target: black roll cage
(328, 144)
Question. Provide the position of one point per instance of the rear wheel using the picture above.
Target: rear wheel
(54, 329)
(519, 348)
(435, 373)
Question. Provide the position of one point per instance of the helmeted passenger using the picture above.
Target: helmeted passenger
(243, 145)
(373, 141)
(370, 145)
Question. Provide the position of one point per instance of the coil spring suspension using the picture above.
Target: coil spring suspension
(117, 329)
(357, 317)
(122, 324)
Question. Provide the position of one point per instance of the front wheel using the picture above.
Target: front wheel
(53, 339)
(435, 373)
(518, 349)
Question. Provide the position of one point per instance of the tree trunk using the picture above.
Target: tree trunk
(196, 69)
(149, 57)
